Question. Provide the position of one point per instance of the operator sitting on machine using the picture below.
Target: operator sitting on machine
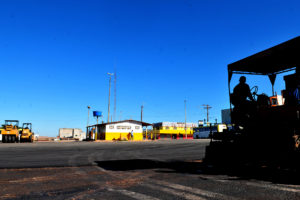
(241, 92)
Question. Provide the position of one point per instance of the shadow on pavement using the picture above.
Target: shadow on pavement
(243, 171)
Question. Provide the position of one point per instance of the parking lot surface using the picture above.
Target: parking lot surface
(169, 169)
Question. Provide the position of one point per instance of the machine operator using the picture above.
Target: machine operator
(241, 92)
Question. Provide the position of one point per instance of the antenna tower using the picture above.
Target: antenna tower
(115, 96)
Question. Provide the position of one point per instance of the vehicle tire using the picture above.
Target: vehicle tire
(9, 139)
(3, 138)
(30, 139)
(13, 139)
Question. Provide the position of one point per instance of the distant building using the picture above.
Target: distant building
(119, 130)
(71, 133)
(226, 116)
(174, 129)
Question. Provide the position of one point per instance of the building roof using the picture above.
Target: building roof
(132, 121)
(280, 58)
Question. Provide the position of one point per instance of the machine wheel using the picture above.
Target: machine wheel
(4, 139)
(9, 138)
(30, 139)
(13, 139)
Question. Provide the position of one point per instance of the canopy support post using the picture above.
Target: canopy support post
(272, 78)
(229, 79)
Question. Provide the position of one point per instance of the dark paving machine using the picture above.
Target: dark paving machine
(266, 131)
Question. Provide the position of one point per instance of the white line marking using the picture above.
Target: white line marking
(282, 187)
(195, 190)
(264, 185)
(275, 187)
(185, 195)
(132, 194)
(292, 186)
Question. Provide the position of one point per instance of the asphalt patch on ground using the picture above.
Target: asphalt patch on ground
(241, 171)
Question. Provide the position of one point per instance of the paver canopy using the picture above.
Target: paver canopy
(278, 59)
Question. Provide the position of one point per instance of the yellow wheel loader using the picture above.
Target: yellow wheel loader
(26, 134)
(10, 131)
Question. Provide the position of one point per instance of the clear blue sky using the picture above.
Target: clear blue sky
(55, 55)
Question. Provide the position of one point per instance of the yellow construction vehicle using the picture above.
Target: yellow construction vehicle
(10, 132)
(26, 133)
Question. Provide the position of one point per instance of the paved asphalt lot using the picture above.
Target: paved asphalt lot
(171, 169)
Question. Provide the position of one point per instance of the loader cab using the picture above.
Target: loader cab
(27, 126)
(11, 124)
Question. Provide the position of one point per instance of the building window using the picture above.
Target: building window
(174, 128)
(111, 127)
(167, 128)
(137, 127)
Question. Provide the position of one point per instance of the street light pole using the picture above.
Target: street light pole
(87, 127)
(185, 118)
(142, 113)
(110, 74)
(88, 115)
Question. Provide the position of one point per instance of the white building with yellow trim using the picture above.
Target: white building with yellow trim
(119, 130)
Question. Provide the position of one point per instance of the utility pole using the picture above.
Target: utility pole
(185, 118)
(142, 113)
(88, 115)
(110, 74)
(207, 107)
